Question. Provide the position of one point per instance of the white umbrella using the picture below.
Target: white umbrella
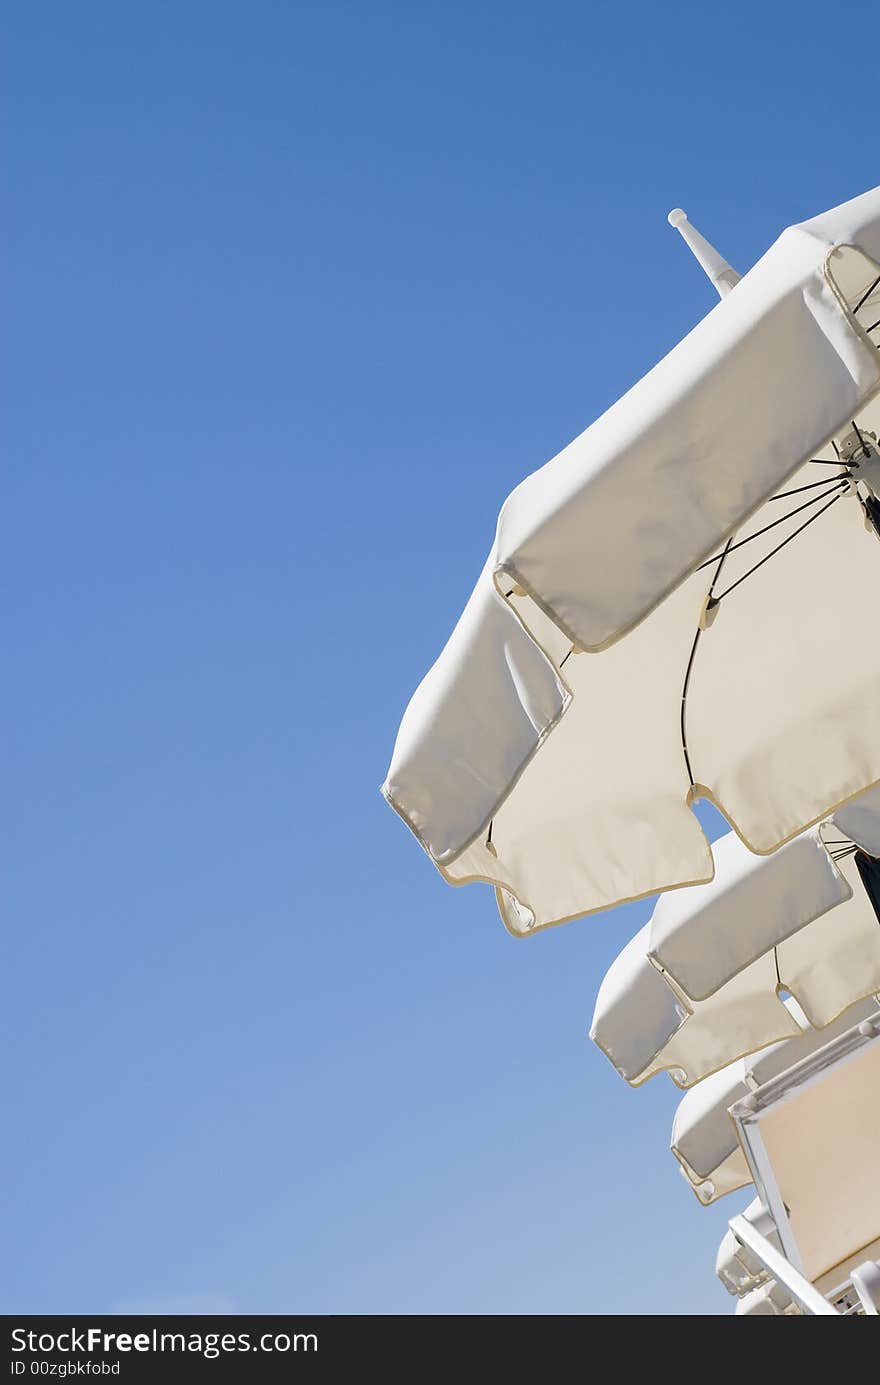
(700, 984)
(704, 1140)
(728, 659)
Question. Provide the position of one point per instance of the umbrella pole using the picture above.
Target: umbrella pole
(722, 275)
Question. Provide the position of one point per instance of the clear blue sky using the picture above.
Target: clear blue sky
(298, 293)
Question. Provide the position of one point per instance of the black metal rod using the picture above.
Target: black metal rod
(814, 485)
(866, 295)
(767, 527)
(779, 546)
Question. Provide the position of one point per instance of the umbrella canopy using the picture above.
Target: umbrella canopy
(704, 1140)
(705, 936)
(700, 984)
(639, 628)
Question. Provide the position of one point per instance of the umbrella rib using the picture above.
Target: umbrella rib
(779, 546)
(814, 499)
(813, 485)
(866, 295)
(860, 436)
(823, 461)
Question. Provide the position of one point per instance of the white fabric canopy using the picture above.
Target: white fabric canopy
(644, 1020)
(645, 1026)
(593, 552)
(704, 936)
(703, 1137)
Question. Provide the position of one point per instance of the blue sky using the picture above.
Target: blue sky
(298, 293)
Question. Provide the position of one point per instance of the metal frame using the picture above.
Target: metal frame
(782, 1270)
(787, 1268)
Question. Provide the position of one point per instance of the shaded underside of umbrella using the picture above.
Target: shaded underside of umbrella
(673, 609)
(702, 983)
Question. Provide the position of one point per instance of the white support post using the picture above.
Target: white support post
(805, 1294)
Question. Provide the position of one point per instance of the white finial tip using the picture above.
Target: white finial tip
(676, 217)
